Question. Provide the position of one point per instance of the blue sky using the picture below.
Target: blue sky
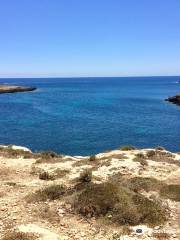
(89, 38)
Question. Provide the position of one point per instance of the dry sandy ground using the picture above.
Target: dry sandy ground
(54, 219)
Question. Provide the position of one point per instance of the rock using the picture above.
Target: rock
(174, 99)
(14, 89)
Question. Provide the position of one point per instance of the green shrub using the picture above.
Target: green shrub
(127, 148)
(51, 192)
(171, 191)
(86, 176)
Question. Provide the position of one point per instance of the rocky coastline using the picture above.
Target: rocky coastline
(14, 89)
(174, 99)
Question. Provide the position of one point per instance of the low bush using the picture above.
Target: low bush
(46, 176)
(47, 157)
(124, 206)
(140, 155)
(150, 153)
(171, 191)
(92, 158)
(127, 148)
(51, 192)
(151, 211)
(85, 176)
(140, 183)
(141, 160)
(160, 148)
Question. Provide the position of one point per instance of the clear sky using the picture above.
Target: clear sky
(89, 37)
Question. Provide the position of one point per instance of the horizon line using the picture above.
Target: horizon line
(129, 76)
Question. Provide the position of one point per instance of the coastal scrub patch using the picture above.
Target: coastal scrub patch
(48, 157)
(9, 152)
(118, 204)
(171, 191)
(51, 192)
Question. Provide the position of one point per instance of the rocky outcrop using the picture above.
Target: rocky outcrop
(174, 99)
(14, 89)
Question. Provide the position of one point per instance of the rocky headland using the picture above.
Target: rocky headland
(174, 99)
(126, 194)
(14, 89)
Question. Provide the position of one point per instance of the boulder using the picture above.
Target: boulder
(174, 99)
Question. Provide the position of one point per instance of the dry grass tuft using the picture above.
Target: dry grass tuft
(51, 192)
(147, 184)
(46, 176)
(161, 235)
(141, 160)
(85, 176)
(15, 235)
(171, 191)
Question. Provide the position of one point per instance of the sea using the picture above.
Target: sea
(85, 116)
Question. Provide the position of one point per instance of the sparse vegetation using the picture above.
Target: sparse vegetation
(47, 212)
(48, 157)
(147, 184)
(125, 206)
(171, 191)
(161, 235)
(16, 235)
(160, 148)
(9, 152)
(150, 153)
(60, 173)
(51, 192)
(92, 158)
(85, 176)
(127, 148)
(140, 155)
(141, 160)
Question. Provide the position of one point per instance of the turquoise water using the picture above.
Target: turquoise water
(89, 115)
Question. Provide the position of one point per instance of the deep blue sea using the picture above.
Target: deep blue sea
(81, 116)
